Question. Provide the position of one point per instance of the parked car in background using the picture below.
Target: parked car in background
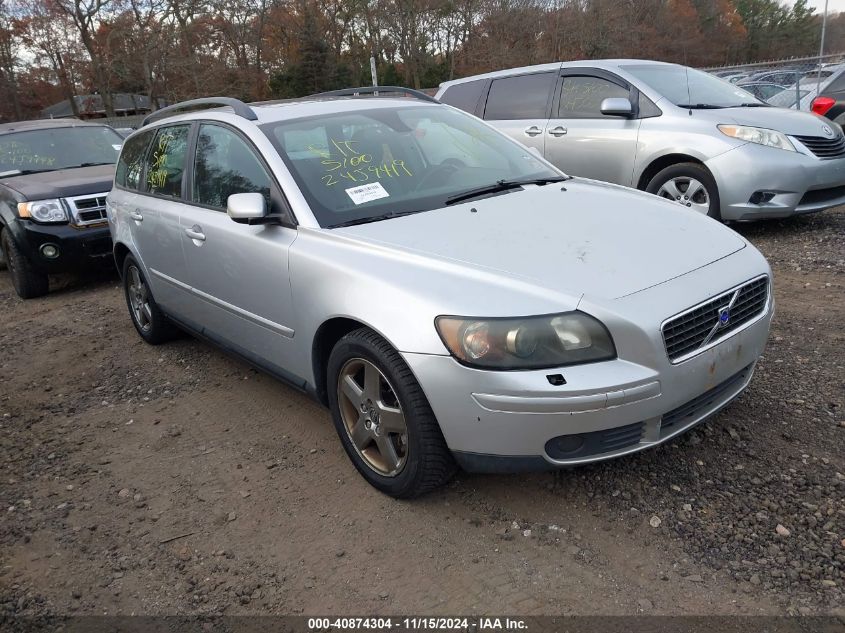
(449, 295)
(667, 129)
(54, 177)
(830, 101)
(782, 76)
(804, 93)
(762, 90)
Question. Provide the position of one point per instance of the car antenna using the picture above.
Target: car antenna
(689, 95)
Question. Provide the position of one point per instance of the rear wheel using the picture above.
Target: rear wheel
(690, 185)
(148, 319)
(383, 418)
(28, 282)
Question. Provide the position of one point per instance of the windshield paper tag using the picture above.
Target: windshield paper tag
(367, 193)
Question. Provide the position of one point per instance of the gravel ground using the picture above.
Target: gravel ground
(176, 480)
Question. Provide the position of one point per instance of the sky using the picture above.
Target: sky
(832, 5)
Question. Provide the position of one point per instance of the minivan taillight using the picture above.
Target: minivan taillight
(821, 105)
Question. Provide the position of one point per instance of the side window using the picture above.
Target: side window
(647, 108)
(226, 164)
(130, 164)
(166, 161)
(581, 97)
(465, 95)
(520, 97)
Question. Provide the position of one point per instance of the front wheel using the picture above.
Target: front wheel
(383, 418)
(28, 282)
(690, 185)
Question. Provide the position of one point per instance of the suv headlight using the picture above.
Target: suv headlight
(44, 211)
(759, 135)
(526, 342)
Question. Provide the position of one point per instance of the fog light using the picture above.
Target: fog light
(565, 444)
(50, 251)
(761, 197)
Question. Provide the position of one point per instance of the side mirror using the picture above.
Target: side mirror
(243, 207)
(617, 106)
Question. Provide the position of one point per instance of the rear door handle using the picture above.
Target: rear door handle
(558, 131)
(195, 233)
(136, 216)
(533, 130)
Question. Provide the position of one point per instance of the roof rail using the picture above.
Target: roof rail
(375, 90)
(240, 108)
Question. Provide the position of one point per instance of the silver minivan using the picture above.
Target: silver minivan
(666, 129)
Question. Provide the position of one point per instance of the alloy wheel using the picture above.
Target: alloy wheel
(139, 299)
(686, 191)
(372, 417)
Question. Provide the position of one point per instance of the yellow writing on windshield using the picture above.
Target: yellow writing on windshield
(346, 163)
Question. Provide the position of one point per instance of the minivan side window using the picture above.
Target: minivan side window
(464, 95)
(519, 97)
(225, 164)
(130, 164)
(166, 161)
(581, 96)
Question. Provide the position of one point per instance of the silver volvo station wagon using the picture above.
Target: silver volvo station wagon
(454, 299)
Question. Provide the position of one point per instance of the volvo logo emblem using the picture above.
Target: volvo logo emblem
(827, 131)
(724, 316)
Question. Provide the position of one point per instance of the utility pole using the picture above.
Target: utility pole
(821, 51)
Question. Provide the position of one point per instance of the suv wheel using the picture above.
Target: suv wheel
(690, 185)
(28, 282)
(147, 318)
(383, 418)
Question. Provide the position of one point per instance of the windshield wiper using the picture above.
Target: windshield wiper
(754, 105)
(89, 165)
(701, 106)
(502, 185)
(375, 218)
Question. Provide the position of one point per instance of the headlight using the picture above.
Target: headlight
(45, 211)
(526, 342)
(759, 135)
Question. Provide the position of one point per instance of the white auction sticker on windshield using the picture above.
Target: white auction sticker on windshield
(367, 193)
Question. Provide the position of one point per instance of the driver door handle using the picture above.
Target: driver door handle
(195, 233)
(136, 216)
(558, 131)
(533, 130)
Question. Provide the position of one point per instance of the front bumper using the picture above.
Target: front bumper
(516, 421)
(801, 183)
(78, 248)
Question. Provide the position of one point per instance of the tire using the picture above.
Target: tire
(2, 252)
(28, 282)
(687, 173)
(424, 460)
(149, 321)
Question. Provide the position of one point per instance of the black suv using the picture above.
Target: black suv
(54, 177)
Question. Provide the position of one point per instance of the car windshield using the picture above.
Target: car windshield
(361, 165)
(687, 87)
(58, 148)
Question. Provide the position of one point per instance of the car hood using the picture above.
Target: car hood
(790, 122)
(62, 183)
(589, 238)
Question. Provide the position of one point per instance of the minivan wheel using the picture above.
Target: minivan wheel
(690, 185)
(28, 282)
(383, 418)
(148, 319)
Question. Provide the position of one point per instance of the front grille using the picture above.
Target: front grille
(88, 209)
(824, 147)
(689, 411)
(701, 326)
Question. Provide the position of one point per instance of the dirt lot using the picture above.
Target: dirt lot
(173, 479)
